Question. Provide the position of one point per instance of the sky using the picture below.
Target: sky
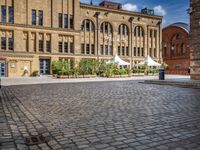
(171, 10)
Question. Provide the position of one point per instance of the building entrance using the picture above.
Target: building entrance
(45, 66)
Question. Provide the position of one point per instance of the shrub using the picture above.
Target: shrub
(35, 73)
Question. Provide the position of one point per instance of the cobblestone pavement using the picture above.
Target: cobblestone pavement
(101, 115)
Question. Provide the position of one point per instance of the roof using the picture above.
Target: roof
(121, 11)
(182, 25)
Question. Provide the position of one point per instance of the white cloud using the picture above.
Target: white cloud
(130, 7)
(159, 10)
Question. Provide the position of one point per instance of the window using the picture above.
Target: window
(66, 47)
(138, 31)
(65, 21)
(134, 51)
(106, 27)
(119, 50)
(138, 51)
(106, 49)
(33, 17)
(183, 49)
(82, 48)
(165, 51)
(88, 25)
(71, 47)
(10, 43)
(60, 45)
(155, 52)
(71, 22)
(88, 49)
(127, 51)
(41, 45)
(11, 14)
(143, 52)
(101, 51)
(151, 33)
(93, 49)
(123, 29)
(3, 13)
(3, 43)
(48, 46)
(123, 51)
(101, 28)
(40, 14)
(60, 20)
(150, 52)
(155, 33)
(119, 30)
(111, 50)
(83, 26)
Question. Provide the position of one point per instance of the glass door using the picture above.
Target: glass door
(2, 69)
(45, 66)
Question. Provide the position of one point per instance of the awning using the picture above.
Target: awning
(118, 61)
(149, 61)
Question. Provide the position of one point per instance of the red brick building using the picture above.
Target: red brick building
(175, 48)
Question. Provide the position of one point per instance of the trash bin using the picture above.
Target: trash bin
(162, 74)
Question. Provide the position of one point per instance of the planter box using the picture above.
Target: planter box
(75, 76)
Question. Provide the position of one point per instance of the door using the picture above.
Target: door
(45, 66)
(2, 69)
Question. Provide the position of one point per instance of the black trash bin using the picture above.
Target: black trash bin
(162, 74)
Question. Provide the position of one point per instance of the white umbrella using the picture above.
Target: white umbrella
(149, 61)
(118, 61)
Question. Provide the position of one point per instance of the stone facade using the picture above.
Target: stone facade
(175, 48)
(33, 35)
(194, 38)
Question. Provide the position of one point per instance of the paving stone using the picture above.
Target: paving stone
(103, 115)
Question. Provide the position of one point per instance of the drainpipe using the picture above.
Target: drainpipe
(131, 25)
(97, 17)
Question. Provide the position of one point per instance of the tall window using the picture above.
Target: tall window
(111, 50)
(127, 51)
(48, 46)
(3, 43)
(71, 47)
(3, 13)
(66, 47)
(138, 51)
(155, 52)
(134, 51)
(40, 21)
(87, 48)
(82, 48)
(106, 49)
(60, 20)
(92, 49)
(65, 21)
(71, 22)
(33, 17)
(143, 52)
(106, 27)
(139, 31)
(41, 45)
(10, 43)
(119, 50)
(11, 14)
(123, 51)
(101, 50)
(60, 45)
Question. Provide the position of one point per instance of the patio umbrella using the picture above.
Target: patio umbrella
(149, 61)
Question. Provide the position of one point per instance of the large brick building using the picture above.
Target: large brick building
(175, 48)
(194, 38)
(35, 33)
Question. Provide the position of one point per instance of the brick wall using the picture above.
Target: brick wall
(194, 39)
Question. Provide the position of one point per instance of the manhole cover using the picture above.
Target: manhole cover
(35, 140)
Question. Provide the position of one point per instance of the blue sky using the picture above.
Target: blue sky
(172, 10)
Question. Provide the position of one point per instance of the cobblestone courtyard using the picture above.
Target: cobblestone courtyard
(99, 115)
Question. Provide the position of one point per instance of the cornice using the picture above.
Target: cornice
(131, 13)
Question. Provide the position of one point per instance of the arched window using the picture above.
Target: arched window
(183, 48)
(87, 25)
(139, 31)
(106, 27)
(123, 29)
